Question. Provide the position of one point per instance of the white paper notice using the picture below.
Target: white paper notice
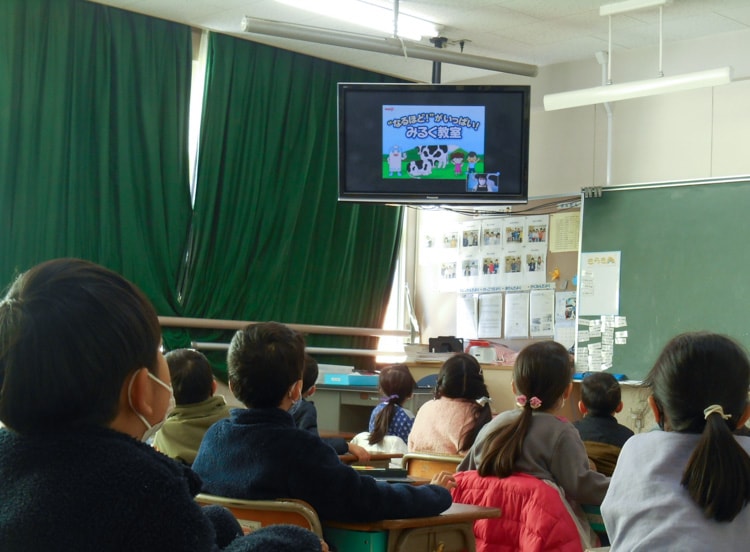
(542, 312)
(600, 283)
(490, 314)
(466, 316)
(516, 315)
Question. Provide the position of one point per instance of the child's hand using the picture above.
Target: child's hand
(444, 479)
(361, 453)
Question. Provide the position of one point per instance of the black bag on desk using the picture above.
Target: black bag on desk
(446, 344)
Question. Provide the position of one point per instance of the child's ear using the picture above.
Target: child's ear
(311, 391)
(619, 408)
(582, 408)
(745, 416)
(655, 409)
(213, 387)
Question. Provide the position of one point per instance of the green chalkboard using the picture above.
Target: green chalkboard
(685, 262)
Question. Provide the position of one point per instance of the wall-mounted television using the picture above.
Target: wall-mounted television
(433, 143)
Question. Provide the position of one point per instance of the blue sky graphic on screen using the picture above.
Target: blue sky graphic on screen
(435, 142)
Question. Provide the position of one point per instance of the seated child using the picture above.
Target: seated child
(390, 417)
(259, 453)
(306, 416)
(197, 407)
(82, 383)
(687, 487)
(450, 422)
(602, 435)
(534, 440)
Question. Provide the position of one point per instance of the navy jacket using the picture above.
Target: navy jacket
(259, 453)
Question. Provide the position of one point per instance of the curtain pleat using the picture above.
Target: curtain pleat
(93, 141)
(271, 242)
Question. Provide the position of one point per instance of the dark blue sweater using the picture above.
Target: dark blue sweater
(96, 489)
(261, 454)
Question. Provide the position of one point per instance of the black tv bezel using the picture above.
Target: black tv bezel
(418, 198)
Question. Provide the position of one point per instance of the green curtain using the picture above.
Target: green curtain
(270, 240)
(93, 141)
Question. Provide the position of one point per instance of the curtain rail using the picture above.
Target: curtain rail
(208, 346)
(217, 324)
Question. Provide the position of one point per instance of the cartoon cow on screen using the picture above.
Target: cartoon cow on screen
(437, 155)
(419, 168)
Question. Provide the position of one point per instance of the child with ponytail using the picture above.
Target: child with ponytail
(534, 440)
(687, 487)
(390, 417)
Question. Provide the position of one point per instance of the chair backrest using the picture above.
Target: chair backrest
(254, 514)
(426, 465)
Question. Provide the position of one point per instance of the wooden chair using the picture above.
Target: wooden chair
(254, 514)
(426, 465)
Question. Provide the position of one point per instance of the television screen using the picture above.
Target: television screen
(433, 143)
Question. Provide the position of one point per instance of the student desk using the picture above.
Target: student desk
(377, 459)
(451, 531)
(347, 408)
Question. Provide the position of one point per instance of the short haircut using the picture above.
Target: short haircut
(309, 373)
(600, 393)
(71, 333)
(191, 374)
(263, 362)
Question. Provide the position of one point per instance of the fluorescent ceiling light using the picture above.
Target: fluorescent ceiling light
(367, 15)
(637, 89)
(383, 45)
(631, 5)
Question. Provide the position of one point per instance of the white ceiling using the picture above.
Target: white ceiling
(538, 32)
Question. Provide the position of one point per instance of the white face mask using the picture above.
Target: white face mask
(152, 429)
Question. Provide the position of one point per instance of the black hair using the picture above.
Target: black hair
(71, 333)
(264, 361)
(600, 393)
(542, 371)
(309, 373)
(693, 372)
(397, 384)
(191, 374)
(461, 377)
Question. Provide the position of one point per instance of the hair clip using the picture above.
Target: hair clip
(521, 400)
(483, 401)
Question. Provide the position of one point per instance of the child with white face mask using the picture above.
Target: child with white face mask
(82, 382)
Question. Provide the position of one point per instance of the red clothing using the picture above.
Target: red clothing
(534, 518)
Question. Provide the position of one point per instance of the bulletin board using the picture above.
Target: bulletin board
(684, 263)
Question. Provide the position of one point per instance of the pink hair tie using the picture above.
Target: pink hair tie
(534, 403)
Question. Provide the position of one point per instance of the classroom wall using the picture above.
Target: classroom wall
(696, 134)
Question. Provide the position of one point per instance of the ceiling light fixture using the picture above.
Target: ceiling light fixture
(637, 89)
(383, 45)
(371, 16)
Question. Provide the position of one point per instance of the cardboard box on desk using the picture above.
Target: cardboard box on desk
(361, 380)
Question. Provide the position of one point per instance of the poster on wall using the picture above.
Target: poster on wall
(600, 283)
(542, 313)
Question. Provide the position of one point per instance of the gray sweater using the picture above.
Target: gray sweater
(552, 451)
